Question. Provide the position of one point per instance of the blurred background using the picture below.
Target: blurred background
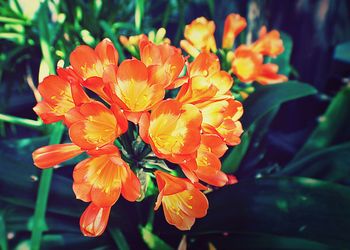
(293, 164)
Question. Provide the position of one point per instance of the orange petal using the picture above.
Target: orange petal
(85, 62)
(268, 75)
(246, 64)
(174, 130)
(107, 53)
(94, 220)
(205, 64)
(144, 126)
(133, 88)
(269, 44)
(104, 175)
(234, 24)
(46, 113)
(214, 144)
(131, 189)
(98, 127)
(57, 93)
(49, 156)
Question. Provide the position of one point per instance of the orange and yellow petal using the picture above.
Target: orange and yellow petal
(98, 126)
(57, 98)
(269, 44)
(269, 75)
(107, 53)
(94, 220)
(205, 64)
(184, 204)
(133, 88)
(49, 156)
(174, 130)
(234, 24)
(246, 64)
(86, 62)
(101, 179)
(200, 33)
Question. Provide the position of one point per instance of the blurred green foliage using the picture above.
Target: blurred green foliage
(303, 204)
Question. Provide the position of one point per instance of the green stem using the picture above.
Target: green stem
(39, 223)
(21, 121)
(181, 11)
(119, 238)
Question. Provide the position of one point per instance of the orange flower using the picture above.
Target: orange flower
(173, 130)
(229, 128)
(102, 178)
(92, 125)
(87, 62)
(134, 91)
(268, 74)
(94, 220)
(165, 63)
(248, 66)
(206, 166)
(57, 98)
(206, 79)
(234, 24)
(269, 44)
(182, 201)
(199, 35)
(49, 156)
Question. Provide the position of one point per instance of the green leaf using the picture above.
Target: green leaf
(333, 126)
(252, 136)
(268, 97)
(255, 241)
(260, 109)
(119, 238)
(330, 163)
(153, 241)
(290, 207)
(3, 234)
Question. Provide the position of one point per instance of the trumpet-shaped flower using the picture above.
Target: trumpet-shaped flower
(207, 166)
(94, 220)
(248, 66)
(132, 86)
(58, 98)
(199, 35)
(234, 24)
(92, 125)
(229, 128)
(173, 130)
(182, 201)
(165, 63)
(102, 178)
(88, 62)
(269, 44)
(49, 156)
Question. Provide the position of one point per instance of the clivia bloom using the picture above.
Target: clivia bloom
(182, 201)
(192, 129)
(199, 35)
(234, 24)
(246, 61)
(248, 66)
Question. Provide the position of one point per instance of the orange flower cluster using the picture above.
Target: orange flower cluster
(191, 130)
(247, 60)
